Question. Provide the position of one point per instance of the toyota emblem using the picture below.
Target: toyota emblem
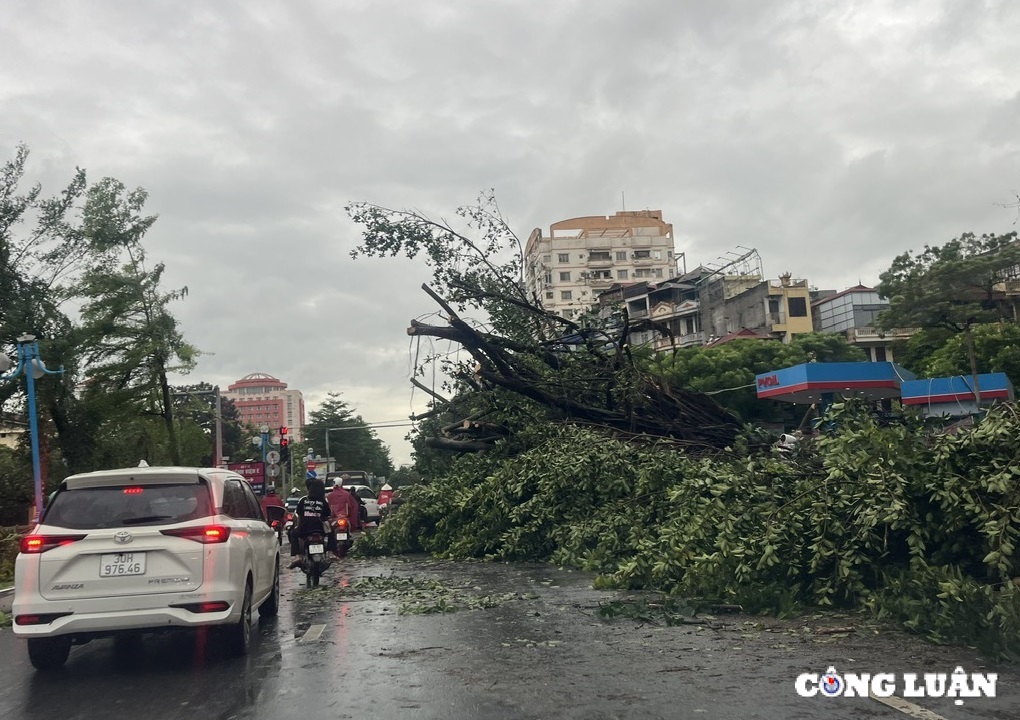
(123, 537)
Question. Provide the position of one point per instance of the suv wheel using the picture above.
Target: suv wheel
(49, 653)
(239, 634)
(271, 606)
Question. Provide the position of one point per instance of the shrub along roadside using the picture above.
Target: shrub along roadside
(10, 540)
(918, 529)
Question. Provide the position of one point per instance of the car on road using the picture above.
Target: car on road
(124, 552)
(367, 496)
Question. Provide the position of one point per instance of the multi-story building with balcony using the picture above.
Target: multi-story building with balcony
(732, 303)
(672, 305)
(262, 399)
(852, 313)
(582, 257)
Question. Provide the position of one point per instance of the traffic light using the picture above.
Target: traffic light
(284, 444)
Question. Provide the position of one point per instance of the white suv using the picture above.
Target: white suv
(145, 549)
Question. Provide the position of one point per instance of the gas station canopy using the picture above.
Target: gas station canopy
(955, 395)
(809, 382)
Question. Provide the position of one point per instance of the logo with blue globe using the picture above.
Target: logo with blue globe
(831, 684)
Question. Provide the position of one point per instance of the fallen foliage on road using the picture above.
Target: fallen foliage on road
(914, 526)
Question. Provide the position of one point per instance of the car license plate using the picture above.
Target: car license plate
(120, 564)
(341, 536)
(316, 549)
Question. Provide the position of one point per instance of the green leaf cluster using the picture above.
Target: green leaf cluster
(923, 529)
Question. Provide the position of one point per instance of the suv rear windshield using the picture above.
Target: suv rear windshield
(105, 507)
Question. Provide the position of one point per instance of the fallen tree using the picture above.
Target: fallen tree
(560, 370)
(584, 392)
(915, 528)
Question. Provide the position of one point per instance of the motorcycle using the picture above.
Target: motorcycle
(288, 523)
(315, 560)
(344, 541)
(276, 516)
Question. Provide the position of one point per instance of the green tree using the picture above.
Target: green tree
(951, 288)
(484, 272)
(43, 252)
(16, 491)
(996, 349)
(130, 340)
(353, 446)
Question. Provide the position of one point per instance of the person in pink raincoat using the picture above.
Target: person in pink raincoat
(345, 505)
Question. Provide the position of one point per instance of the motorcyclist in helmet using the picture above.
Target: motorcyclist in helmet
(312, 514)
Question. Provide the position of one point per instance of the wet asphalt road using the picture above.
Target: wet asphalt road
(526, 642)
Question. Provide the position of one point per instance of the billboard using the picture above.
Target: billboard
(253, 472)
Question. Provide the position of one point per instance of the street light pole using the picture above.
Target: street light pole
(33, 367)
(217, 417)
(218, 460)
(328, 431)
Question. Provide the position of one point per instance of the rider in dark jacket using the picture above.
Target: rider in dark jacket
(312, 515)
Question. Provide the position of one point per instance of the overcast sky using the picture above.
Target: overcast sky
(830, 136)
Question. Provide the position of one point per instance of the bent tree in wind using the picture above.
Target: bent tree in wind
(526, 365)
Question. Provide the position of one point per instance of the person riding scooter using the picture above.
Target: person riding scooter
(313, 515)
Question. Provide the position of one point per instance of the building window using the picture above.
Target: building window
(642, 254)
(658, 272)
(565, 276)
(599, 256)
(643, 273)
(797, 306)
(549, 295)
(547, 278)
(621, 256)
(880, 354)
(566, 295)
(547, 259)
(621, 274)
(563, 257)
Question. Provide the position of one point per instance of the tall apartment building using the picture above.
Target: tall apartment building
(262, 399)
(584, 256)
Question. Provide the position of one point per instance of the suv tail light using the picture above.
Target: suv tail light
(39, 619)
(35, 544)
(205, 534)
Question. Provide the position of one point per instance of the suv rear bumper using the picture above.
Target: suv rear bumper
(93, 617)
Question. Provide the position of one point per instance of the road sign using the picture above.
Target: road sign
(253, 472)
(311, 475)
(311, 465)
(273, 470)
(273, 457)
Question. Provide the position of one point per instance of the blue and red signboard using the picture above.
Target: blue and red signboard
(253, 472)
(819, 382)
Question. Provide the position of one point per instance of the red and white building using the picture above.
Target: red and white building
(262, 399)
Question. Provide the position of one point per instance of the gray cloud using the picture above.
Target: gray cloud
(831, 136)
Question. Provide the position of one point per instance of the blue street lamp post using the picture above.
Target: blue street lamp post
(32, 365)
